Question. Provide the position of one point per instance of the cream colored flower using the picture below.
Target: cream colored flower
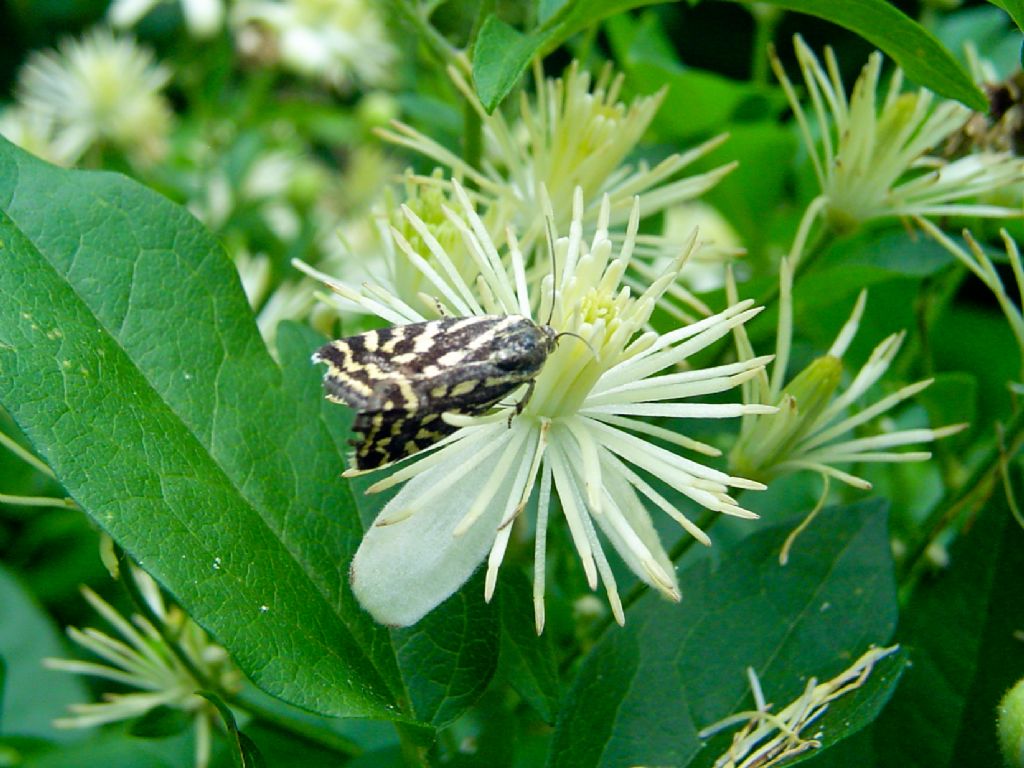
(575, 133)
(341, 42)
(99, 91)
(880, 156)
(203, 18)
(771, 738)
(582, 438)
(811, 430)
(141, 659)
(33, 133)
(974, 258)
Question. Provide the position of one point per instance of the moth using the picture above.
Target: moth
(400, 380)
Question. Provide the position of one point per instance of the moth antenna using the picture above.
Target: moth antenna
(575, 335)
(549, 235)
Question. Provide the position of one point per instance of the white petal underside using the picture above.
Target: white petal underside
(406, 569)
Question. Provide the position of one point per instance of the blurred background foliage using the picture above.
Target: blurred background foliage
(277, 163)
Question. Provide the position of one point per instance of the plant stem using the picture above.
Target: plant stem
(25, 455)
(442, 50)
(37, 501)
(472, 138)
(766, 20)
(978, 486)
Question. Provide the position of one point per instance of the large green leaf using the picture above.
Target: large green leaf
(113, 747)
(645, 691)
(27, 636)
(1013, 7)
(913, 47)
(527, 660)
(129, 357)
(448, 658)
(959, 628)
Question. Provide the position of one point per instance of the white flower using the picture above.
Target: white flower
(769, 738)
(254, 272)
(33, 133)
(977, 261)
(575, 133)
(810, 431)
(141, 659)
(204, 18)
(582, 437)
(337, 41)
(705, 271)
(292, 300)
(98, 91)
(879, 157)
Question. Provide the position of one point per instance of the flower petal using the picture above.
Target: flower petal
(404, 570)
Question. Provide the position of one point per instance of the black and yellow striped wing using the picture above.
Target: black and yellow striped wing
(401, 379)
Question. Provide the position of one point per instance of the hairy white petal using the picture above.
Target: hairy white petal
(403, 570)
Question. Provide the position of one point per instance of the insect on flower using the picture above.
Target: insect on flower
(400, 380)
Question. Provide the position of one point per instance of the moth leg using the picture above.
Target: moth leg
(523, 401)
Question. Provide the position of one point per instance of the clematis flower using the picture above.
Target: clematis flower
(203, 18)
(880, 156)
(811, 430)
(974, 258)
(768, 737)
(582, 438)
(141, 659)
(576, 132)
(340, 42)
(97, 91)
(32, 132)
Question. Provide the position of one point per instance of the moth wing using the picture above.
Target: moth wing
(469, 388)
(387, 436)
(358, 374)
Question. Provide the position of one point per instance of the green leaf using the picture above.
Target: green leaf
(886, 253)
(500, 56)
(245, 753)
(132, 363)
(1013, 7)
(954, 341)
(161, 722)
(27, 636)
(750, 194)
(526, 661)
(960, 629)
(913, 47)
(951, 399)
(985, 27)
(282, 745)
(449, 657)
(858, 709)
(502, 53)
(561, 21)
(113, 748)
(645, 691)
(698, 103)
